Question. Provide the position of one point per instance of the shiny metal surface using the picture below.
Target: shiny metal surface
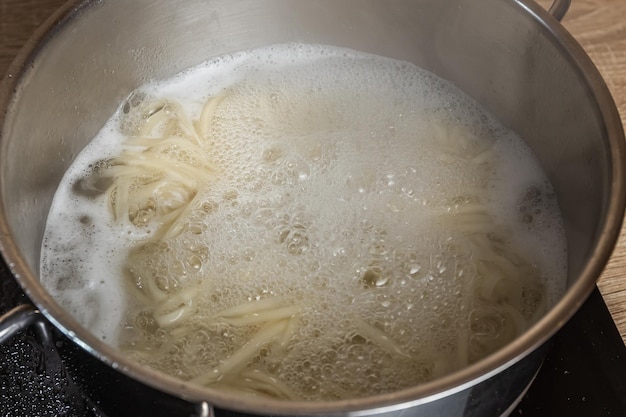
(511, 56)
(20, 318)
(559, 8)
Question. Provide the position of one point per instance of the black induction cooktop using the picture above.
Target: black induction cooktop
(584, 374)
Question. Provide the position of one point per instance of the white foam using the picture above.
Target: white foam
(333, 170)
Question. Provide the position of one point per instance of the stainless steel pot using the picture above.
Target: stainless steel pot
(511, 56)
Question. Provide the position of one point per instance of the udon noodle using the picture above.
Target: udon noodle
(305, 222)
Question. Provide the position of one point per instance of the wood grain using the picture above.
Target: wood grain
(598, 25)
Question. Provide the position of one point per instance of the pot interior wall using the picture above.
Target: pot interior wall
(494, 50)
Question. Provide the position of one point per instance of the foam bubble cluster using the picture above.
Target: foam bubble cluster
(361, 210)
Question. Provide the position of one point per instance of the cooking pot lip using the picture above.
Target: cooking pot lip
(439, 388)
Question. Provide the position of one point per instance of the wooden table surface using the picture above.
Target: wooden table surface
(598, 25)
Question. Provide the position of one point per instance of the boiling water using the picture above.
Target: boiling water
(361, 226)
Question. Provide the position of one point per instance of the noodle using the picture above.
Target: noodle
(260, 317)
(377, 337)
(317, 229)
(149, 187)
(239, 360)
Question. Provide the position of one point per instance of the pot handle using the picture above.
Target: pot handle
(559, 8)
(21, 317)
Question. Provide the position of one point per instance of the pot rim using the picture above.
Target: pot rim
(539, 333)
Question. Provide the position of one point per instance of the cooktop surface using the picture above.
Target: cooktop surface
(584, 374)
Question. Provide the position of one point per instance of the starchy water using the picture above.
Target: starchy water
(311, 222)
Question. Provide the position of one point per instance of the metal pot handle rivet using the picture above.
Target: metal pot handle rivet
(204, 410)
(21, 317)
(559, 8)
